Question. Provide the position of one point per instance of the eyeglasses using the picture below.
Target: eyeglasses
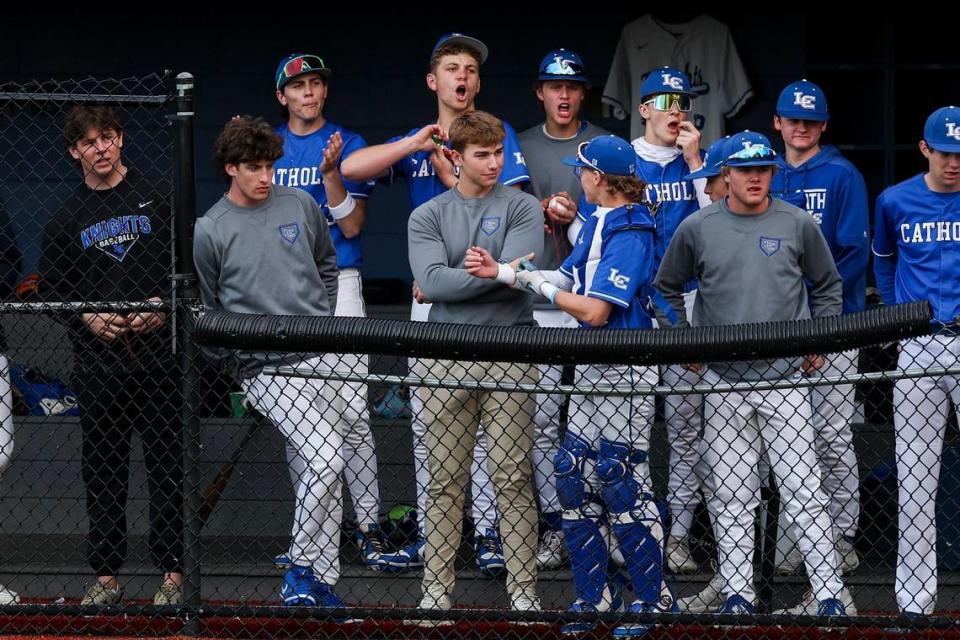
(665, 101)
(754, 152)
(561, 67)
(299, 65)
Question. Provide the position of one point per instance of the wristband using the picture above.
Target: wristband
(343, 209)
(549, 291)
(506, 274)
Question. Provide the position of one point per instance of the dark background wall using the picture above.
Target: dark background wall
(882, 75)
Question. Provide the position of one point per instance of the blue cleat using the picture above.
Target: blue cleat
(408, 558)
(636, 630)
(578, 627)
(490, 553)
(831, 607)
(297, 589)
(372, 546)
(736, 606)
(282, 561)
(325, 596)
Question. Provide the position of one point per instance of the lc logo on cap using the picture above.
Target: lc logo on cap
(665, 80)
(942, 130)
(673, 82)
(803, 100)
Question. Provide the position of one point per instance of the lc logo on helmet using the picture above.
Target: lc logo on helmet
(953, 131)
(804, 101)
(673, 82)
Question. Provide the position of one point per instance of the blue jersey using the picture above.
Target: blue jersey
(423, 183)
(917, 247)
(829, 188)
(671, 195)
(300, 167)
(613, 261)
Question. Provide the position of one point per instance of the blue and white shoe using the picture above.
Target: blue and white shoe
(578, 627)
(635, 630)
(831, 607)
(911, 617)
(408, 558)
(737, 606)
(372, 545)
(325, 596)
(489, 553)
(298, 585)
(282, 561)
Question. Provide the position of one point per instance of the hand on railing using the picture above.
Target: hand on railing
(106, 326)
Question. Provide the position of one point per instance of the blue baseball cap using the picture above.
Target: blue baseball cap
(942, 131)
(803, 100)
(561, 64)
(606, 154)
(297, 64)
(666, 80)
(712, 163)
(465, 40)
(749, 149)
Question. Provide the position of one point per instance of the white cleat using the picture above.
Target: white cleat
(709, 599)
(809, 606)
(847, 555)
(552, 552)
(791, 563)
(679, 559)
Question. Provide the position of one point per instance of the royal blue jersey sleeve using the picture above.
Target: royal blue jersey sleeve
(625, 266)
(514, 165)
(884, 236)
(885, 251)
(852, 242)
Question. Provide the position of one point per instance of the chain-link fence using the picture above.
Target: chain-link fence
(476, 480)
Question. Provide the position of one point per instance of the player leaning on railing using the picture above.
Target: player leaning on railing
(602, 468)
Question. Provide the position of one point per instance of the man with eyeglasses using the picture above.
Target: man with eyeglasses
(826, 185)
(561, 87)
(754, 257)
(110, 242)
(666, 155)
(313, 148)
(916, 235)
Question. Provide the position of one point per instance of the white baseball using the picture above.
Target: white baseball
(557, 206)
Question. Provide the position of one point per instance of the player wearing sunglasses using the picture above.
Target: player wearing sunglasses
(666, 155)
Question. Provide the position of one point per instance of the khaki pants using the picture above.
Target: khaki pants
(452, 417)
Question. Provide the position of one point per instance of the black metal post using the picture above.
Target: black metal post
(768, 544)
(186, 294)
